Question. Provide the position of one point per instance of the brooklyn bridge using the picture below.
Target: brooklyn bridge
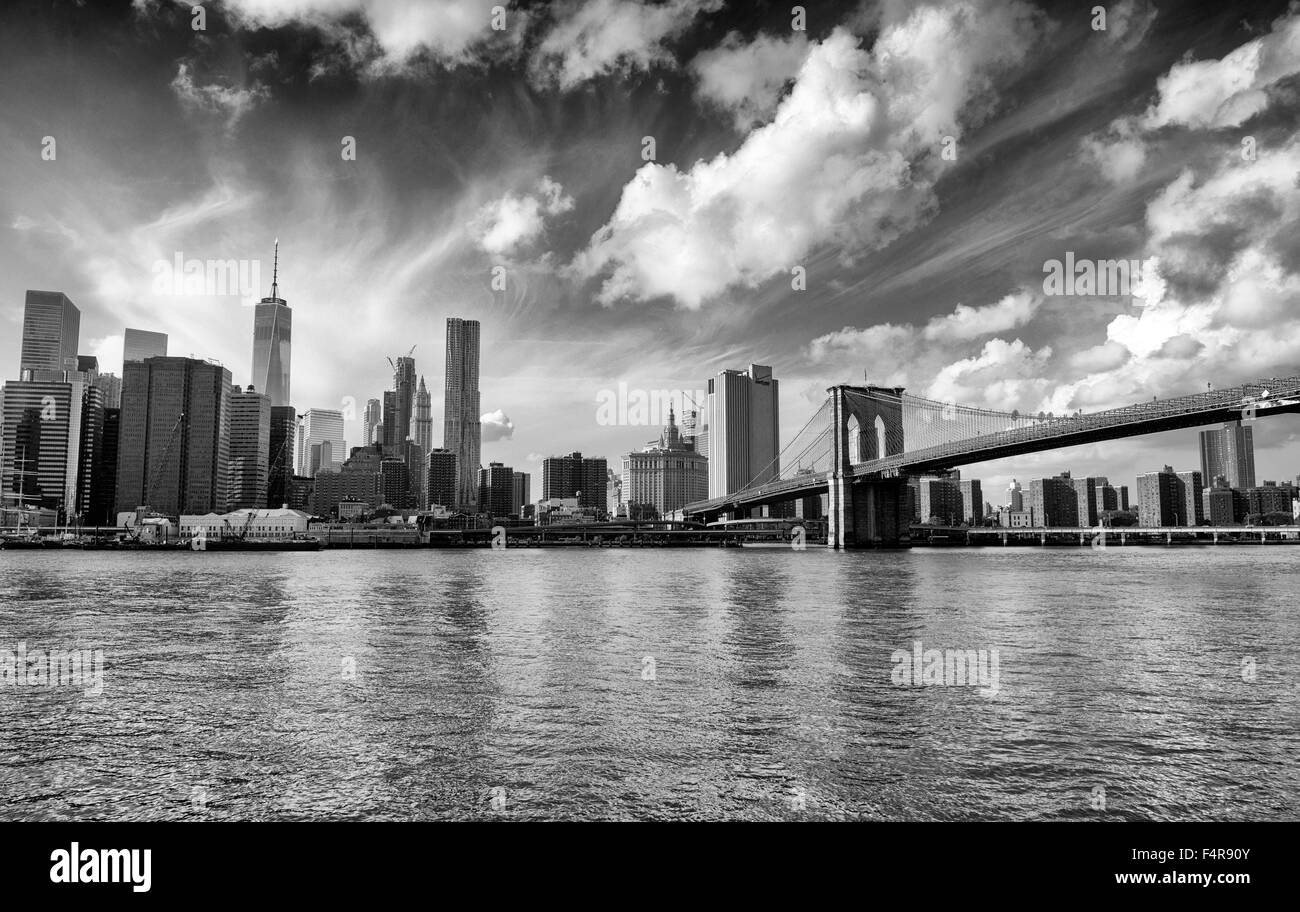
(864, 442)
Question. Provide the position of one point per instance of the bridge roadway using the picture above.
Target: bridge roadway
(1256, 400)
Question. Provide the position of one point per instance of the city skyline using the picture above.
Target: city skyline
(51, 324)
(1064, 151)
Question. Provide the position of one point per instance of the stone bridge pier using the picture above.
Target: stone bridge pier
(866, 512)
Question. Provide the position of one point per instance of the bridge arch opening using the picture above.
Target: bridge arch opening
(857, 443)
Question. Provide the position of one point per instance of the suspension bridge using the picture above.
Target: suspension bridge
(864, 441)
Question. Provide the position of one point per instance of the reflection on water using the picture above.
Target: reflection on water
(639, 684)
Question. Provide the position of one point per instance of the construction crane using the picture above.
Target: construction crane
(279, 457)
(393, 365)
(153, 471)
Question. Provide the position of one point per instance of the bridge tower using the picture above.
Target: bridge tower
(872, 512)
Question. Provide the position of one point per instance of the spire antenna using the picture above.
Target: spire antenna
(275, 271)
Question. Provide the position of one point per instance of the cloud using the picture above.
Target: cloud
(1200, 95)
(497, 426)
(848, 159)
(453, 32)
(596, 37)
(972, 322)
(1219, 312)
(747, 79)
(1213, 94)
(225, 101)
(1129, 21)
(505, 226)
(1119, 153)
(917, 357)
(108, 351)
(1004, 375)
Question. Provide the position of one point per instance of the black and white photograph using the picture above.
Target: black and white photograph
(424, 418)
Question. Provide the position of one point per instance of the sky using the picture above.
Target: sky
(639, 195)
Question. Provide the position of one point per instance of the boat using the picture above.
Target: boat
(27, 542)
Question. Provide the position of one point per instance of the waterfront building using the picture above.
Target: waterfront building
(359, 478)
(251, 524)
(250, 448)
(395, 483)
(1224, 505)
(1191, 500)
(743, 423)
(280, 454)
(576, 476)
(1087, 508)
(1269, 498)
(938, 499)
(462, 432)
(496, 489)
(666, 475)
(520, 484)
(440, 479)
(41, 431)
(1053, 502)
(972, 501)
(1158, 497)
(174, 443)
(103, 481)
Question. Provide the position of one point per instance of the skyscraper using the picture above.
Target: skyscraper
(743, 420)
(51, 331)
(103, 481)
(575, 476)
(972, 501)
(423, 420)
(1190, 493)
(250, 448)
(319, 426)
(1087, 512)
(520, 484)
(392, 423)
(1229, 451)
(111, 384)
(404, 387)
(90, 463)
(272, 336)
(371, 421)
(1159, 501)
(174, 444)
(461, 431)
(440, 479)
(1053, 502)
(42, 441)
(1015, 496)
(496, 488)
(280, 461)
(139, 344)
